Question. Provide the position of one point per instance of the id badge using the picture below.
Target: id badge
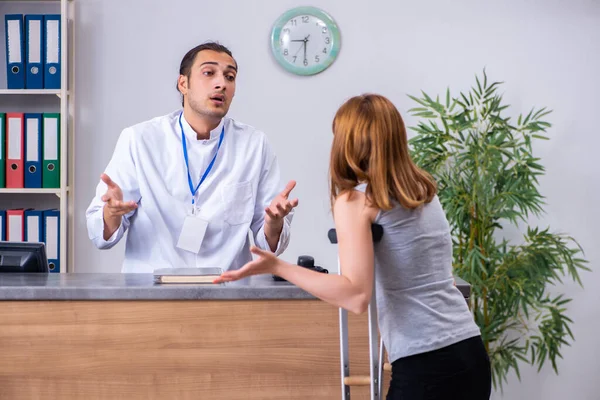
(192, 232)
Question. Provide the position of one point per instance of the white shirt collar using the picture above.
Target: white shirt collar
(191, 134)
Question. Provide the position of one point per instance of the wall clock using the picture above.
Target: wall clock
(305, 40)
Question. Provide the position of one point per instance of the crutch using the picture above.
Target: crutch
(375, 378)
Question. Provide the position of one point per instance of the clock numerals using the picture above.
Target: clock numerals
(324, 30)
(295, 59)
(305, 62)
(316, 58)
(305, 18)
(327, 40)
(285, 52)
(293, 22)
(324, 50)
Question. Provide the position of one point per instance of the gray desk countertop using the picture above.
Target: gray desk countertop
(120, 286)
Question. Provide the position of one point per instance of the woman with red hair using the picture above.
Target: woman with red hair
(432, 341)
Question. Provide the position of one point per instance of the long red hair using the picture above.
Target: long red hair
(370, 146)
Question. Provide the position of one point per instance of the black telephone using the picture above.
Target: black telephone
(306, 262)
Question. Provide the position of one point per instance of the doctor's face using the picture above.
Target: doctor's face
(211, 84)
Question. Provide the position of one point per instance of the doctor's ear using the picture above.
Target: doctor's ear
(182, 84)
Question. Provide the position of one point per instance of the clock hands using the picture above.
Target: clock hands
(301, 40)
(305, 51)
(304, 41)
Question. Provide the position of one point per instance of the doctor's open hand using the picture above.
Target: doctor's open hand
(114, 207)
(274, 214)
(280, 207)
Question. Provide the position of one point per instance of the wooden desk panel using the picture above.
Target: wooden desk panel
(225, 349)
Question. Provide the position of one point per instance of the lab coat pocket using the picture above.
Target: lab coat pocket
(238, 203)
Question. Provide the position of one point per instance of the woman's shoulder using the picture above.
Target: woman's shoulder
(352, 202)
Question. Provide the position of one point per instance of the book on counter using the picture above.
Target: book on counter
(186, 275)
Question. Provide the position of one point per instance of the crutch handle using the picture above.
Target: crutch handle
(359, 380)
(376, 231)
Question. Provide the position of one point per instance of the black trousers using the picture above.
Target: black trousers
(460, 371)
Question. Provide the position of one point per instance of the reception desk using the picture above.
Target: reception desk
(121, 336)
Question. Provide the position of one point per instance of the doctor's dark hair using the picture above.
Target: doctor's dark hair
(185, 68)
(370, 146)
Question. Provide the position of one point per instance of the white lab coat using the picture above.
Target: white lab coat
(149, 166)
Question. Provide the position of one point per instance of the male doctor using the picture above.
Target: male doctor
(188, 185)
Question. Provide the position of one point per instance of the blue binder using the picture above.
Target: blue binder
(34, 50)
(2, 225)
(15, 54)
(34, 226)
(52, 238)
(52, 51)
(33, 150)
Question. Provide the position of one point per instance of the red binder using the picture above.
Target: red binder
(15, 150)
(15, 225)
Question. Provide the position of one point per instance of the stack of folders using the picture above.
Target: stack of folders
(29, 225)
(30, 150)
(33, 53)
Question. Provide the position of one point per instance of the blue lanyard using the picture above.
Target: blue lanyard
(187, 163)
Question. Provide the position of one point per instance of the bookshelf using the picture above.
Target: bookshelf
(46, 101)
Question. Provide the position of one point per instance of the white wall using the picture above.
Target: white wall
(547, 52)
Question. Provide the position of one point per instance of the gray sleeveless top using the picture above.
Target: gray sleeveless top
(419, 308)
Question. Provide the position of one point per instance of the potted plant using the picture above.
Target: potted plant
(487, 177)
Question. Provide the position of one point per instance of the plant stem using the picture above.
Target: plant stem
(486, 317)
(472, 228)
(460, 249)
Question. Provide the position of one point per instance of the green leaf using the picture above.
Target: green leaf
(527, 117)
(478, 86)
(418, 109)
(427, 114)
(423, 103)
(466, 101)
(427, 98)
(542, 112)
(540, 137)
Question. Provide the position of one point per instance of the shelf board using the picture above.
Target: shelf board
(30, 191)
(30, 91)
(30, 1)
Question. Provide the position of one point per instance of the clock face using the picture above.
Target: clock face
(305, 41)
